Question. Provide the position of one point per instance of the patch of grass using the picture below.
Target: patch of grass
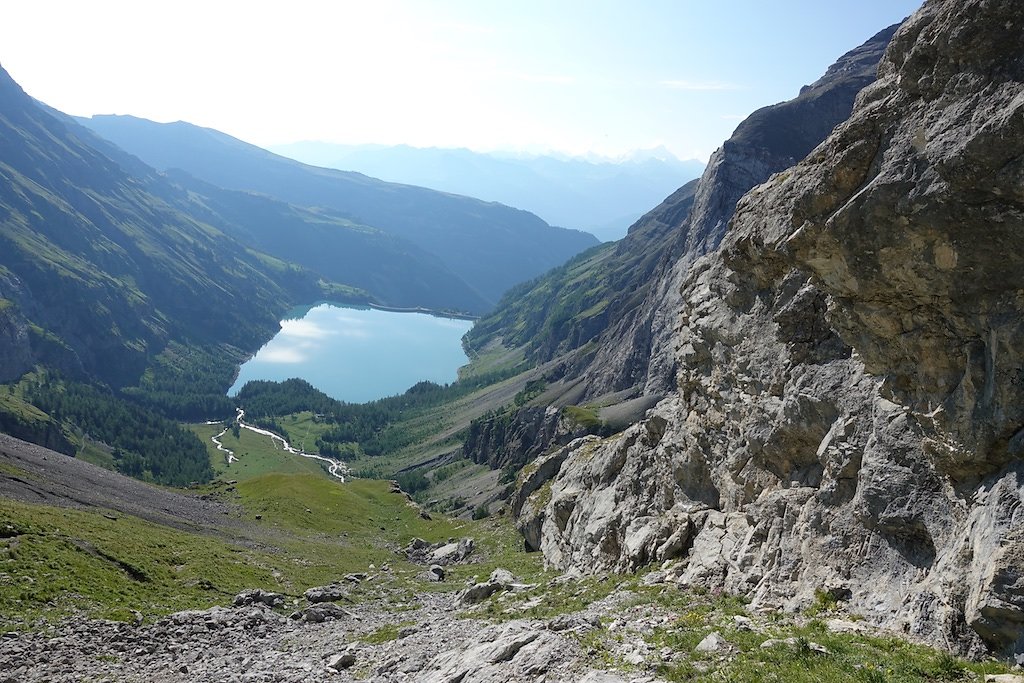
(257, 455)
(385, 633)
(11, 470)
(492, 358)
(361, 508)
(824, 602)
(96, 454)
(583, 416)
(695, 614)
(554, 600)
(64, 561)
(55, 562)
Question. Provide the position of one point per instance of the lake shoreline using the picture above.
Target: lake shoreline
(420, 309)
(360, 353)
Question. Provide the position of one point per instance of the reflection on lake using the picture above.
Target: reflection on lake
(359, 354)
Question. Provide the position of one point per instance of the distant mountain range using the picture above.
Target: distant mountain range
(603, 197)
(489, 246)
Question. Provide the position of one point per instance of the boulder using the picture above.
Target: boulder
(342, 660)
(328, 593)
(258, 596)
(450, 553)
(713, 643)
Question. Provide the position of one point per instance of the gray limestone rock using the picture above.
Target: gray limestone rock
(713, 643)
(450, 553)
(329, 593)
(342, 660)
(847, 408)
(258, 596)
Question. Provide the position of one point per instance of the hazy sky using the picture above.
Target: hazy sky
(575, 76)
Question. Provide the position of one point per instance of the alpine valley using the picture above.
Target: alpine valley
(774, 433)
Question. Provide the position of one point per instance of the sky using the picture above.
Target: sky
(581, 77)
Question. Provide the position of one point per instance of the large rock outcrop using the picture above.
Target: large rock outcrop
(624, 353)
(635, 349)
(848, 404)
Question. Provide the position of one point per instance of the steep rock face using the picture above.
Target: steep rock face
(848, 403)
(635, 350)
(631, 352)
(513, 439)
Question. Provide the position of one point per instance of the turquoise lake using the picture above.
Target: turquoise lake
(359, 354)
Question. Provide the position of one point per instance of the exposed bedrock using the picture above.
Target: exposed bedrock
(849, 405)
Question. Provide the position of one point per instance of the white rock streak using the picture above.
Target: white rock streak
(220, 447)
(335, 468)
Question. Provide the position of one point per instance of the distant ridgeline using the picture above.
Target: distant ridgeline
(601, 196)
(128, 297)
(484, 247)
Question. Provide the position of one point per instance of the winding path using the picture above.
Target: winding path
(335, 468)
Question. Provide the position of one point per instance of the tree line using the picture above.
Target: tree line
(144, 444)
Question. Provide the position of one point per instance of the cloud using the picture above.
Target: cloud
(353, 333)
(698, 86)
(303, 329)
(282, 354)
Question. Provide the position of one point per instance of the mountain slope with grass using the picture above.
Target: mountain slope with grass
(118, 308)
(488, 245)
(97, 274)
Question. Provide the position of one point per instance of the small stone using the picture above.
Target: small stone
(713, 642)
(654, 578)
(743, 623)
(342, 661)
(478, 593)
(1003, 678)
(845, 626)
(258, 595)
(502, 577)
(329, 593)
(775, 642)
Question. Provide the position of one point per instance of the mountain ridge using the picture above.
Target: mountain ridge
(601, 195)
(488, 245)
(845, 418)
(617, 354)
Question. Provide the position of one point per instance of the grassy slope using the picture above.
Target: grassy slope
(313, 531)
(257, 455)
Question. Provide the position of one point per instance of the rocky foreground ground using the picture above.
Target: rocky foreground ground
(482, 634)
(422, 641)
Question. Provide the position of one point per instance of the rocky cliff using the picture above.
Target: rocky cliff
(611, 317)
(846, 414)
